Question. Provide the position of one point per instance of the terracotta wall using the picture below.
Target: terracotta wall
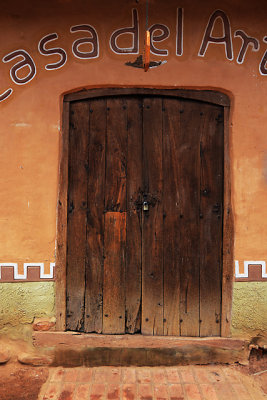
(31, 115)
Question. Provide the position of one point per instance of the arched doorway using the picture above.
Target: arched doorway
(145, 211)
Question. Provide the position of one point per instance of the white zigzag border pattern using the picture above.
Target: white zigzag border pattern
(25, 270)
(246, 264)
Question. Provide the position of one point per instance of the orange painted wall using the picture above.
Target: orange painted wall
(31, 116)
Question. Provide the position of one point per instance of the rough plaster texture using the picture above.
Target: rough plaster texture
(249, 312)
(20, 303)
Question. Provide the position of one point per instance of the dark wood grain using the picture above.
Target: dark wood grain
(134, 212)
(211, 211)
(115, 218)
(77, 209)
(188, 157)
(171, 217)
(116, 152)
(95, 217)
(152, 247)
(114, 273)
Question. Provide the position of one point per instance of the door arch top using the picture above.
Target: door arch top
(207, 96)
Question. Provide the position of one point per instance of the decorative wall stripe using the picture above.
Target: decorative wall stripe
(9, 272)
(24, 275)
(250, 273)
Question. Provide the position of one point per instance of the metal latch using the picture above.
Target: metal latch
(145, 206)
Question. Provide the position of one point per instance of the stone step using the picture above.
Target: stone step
(69, 349)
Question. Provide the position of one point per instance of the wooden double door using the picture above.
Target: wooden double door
(145, 212)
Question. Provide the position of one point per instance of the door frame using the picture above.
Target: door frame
(207, 96)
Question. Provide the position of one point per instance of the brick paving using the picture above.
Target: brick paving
(149, 383)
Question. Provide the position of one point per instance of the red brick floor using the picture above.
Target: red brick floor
(149, 383)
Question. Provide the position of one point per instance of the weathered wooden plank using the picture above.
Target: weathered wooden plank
(83, 341)
(95, 217)
(134, 212)
(188, 157)
(62, 206)
(116, 149)
(70, 349)
(115, 220)
(77, 205)
(152, 251)
(228, 237)
(171, 217)
(114, 273)
(189, 354)
(211, 213)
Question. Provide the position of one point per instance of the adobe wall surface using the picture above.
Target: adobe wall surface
(249, 310)
(31, 112)
(21, 303)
